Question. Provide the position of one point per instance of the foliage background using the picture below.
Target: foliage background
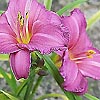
(49, 85)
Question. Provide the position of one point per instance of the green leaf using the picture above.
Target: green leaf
(8, 95)
(13, 81)
(77, 97)
(93, 19)
(48, 4)
(1, 11)
(4, 57)
(3, 97)
(70, 6)
(21, 87)
(54, 71)
(90, 97)
(8, 79)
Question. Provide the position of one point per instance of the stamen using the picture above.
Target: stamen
(20, 19)
(90, 53)
(23, 37)
(27, 15)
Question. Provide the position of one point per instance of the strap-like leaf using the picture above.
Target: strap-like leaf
(9, 95)
(48, 4)
(90, 97)
(1, 11)
(70, 6)
(93, 19)
(4, 57)
(8, 79)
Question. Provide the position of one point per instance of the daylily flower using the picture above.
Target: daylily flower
(27, 26)
(81, 60)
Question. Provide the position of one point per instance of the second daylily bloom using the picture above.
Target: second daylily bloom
(81, 60)
(27, 26)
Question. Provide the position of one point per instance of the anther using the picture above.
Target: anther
(27, 15)
(90, 53)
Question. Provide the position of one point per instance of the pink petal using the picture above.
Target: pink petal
(47, 38)
(82, 44)
(68, 70)
(8, 43)
(38, 12)
(76, 24)
(73, 79)
(20, 63)
(14, 7)
(3, 19)
(79, 85)
(90, 67)
(5, 27)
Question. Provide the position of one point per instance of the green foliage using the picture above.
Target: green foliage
(70, 6)
(1, 11)
(4, 57)
(93, 19)
(90, 97)
(48, 4)
(25, 88)
(7, 96)
(9, 80)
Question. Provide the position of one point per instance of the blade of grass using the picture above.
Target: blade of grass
(70, 6)
(13, 81)
(9, 95)
(93, 19)
(8, 79)
(90, 97)
(1, 11)
(48, 4)
(21, 87)
(4, 57)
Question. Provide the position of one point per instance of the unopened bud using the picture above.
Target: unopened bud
(40, 62)
(42, 73)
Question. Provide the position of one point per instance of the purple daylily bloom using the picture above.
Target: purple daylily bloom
(27, 26)
(81, 60)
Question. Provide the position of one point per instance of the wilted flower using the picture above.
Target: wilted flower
(27, 26)
(81, 60)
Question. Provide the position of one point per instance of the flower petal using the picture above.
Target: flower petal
(20, 63)
(68, 70)
(47, 38)
(90, 67)
(79, 85)
(38, 12)
(14, 7)
(8, 43)
(4, 26)
(73, 79)
(76, 24)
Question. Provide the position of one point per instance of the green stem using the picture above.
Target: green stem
(48, 4)
(36, 85)
(29, 85)
(52, 95)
